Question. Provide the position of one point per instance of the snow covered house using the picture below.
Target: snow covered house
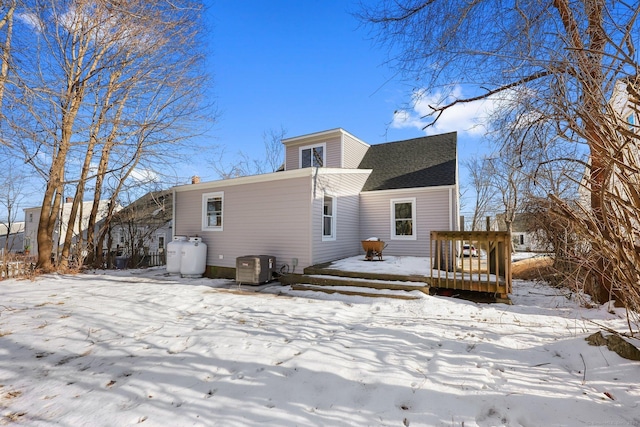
(335, 191)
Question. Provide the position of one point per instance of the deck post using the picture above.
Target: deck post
(443, 257)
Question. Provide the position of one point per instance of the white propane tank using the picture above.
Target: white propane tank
(193, 262)
(174, 254)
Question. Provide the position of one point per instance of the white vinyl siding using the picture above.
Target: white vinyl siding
(345, 186)
(403, 217)
(353, 152)
(432, 213)
(212, 211)
(332, 152)
(270, 218)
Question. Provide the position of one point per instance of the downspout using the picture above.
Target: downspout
(173, 214)
(451, 214)
(341, 149)
(314, 185)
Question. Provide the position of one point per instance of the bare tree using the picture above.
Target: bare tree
(6, 30)
(245, 165)
(561, 59)
(483, 191)
(138, 222)
(122, 79)
(273, 148)
(11, 195)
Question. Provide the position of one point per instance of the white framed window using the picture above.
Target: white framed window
(313, 155)
(212, 211)
(161, 242)
(403, 219)
(329, 218)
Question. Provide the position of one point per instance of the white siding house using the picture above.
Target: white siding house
(335, 191)
(32, 218)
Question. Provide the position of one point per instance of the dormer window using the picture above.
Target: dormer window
(312, 155)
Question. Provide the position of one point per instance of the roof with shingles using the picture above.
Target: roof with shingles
(155, 207)
(429, 161)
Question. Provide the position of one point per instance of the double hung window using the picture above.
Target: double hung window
(403, 216)
(212, 211)
(329, 218)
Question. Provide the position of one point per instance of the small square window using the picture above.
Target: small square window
(312, 156)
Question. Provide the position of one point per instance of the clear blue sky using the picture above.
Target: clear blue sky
(308, 66)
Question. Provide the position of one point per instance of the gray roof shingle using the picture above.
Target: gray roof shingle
(420, 162)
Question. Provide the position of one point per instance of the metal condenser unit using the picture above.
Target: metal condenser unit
(255, 269)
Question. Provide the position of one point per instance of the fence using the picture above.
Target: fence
(14, 266)
(151, 259)
(472, 260)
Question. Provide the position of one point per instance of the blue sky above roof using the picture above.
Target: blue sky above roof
(309, 66)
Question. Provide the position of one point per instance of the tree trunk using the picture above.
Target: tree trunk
(49, 212)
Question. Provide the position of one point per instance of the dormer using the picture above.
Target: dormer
(334, 148)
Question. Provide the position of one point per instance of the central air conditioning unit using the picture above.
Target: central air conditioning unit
(255, 269)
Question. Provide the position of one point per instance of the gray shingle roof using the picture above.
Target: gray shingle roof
(421, 162)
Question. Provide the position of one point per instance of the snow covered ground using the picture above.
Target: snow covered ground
(137, 347)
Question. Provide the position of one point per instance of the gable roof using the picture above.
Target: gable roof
(429, 161)
(522, 222)
(16, 227)
(154, 208)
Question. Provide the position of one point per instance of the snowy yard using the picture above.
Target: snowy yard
(136, 347)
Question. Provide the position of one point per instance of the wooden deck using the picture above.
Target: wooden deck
(488, 273)
(488, 269)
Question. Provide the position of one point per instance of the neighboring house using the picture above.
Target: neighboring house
(335, 190)
(625, 104)
(144, 226)
(524, 235)
(14, 238)
(32, 217)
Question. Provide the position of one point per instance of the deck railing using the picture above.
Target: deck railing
(472, 260)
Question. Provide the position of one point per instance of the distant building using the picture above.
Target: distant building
(32, 218)
(14, 239)
(625, 103)
(144, 226)
(524, 234)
